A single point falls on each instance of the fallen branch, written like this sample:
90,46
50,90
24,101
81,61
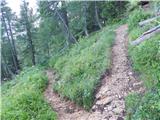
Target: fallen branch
142,23
146,35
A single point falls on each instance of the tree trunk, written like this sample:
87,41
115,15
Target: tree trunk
64,19
10,44
13,43
96,16
146,35
65,22
29,35
142,23
85,17
7,73
31,45
48,47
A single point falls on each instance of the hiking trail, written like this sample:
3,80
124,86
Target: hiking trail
110,102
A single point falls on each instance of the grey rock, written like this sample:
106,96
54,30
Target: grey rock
118,110
120,118
104,101
110,108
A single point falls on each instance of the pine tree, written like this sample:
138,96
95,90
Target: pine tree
26,24
10,60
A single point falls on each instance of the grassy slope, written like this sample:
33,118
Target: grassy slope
146,61
22,97
80,68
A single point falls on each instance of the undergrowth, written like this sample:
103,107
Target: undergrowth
80,68
146,62
135,17
22,97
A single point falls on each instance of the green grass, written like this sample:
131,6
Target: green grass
80,68
146,61
22,97
135,17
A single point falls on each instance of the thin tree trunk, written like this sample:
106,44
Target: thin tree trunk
85,17
48,47
142,23
146,35
8,73
31,45
9,41
71,39
13,43
48,50
97,17
29,35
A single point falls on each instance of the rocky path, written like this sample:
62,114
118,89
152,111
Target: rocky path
110,103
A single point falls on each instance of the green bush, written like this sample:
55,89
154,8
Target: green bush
146,57
135,17
22,97
144,108
80,68
146,61
135,33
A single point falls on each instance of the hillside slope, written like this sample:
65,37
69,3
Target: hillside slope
22,98
80,68
145,59
109,102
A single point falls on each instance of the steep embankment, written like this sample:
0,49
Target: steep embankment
22,97
110,103
80,67
146,62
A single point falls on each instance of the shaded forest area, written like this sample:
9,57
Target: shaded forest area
32,38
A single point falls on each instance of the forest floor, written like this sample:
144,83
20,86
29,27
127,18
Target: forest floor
110,98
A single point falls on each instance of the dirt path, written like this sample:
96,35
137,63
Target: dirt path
110,103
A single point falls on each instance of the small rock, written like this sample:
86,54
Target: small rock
105,101
110,108
114,106
120,118
109,93
120,97
137,84
108,116
118,110
125,94
98,96
69,110
112,118
130,73
94,108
